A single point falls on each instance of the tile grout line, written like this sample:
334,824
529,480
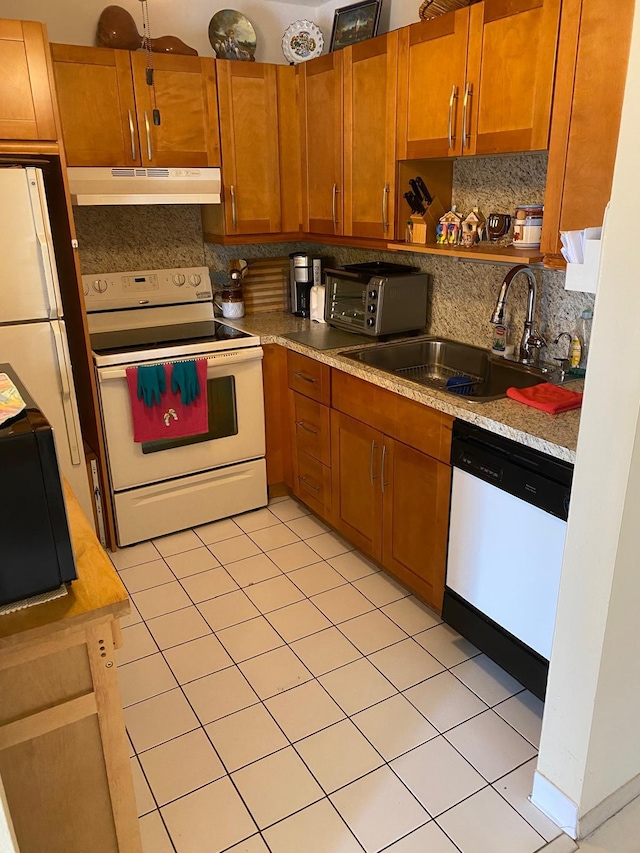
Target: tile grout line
313,677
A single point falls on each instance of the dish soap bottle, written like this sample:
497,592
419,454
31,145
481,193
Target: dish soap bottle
584,332
500,343
575,353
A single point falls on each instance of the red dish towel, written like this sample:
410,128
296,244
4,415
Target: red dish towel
550,398
171,419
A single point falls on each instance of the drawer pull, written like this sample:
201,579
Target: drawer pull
383,459
311,486
303,426
305,378
372,476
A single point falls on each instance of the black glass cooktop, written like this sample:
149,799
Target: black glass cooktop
156,337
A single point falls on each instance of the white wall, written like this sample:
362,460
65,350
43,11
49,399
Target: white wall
395,14
75,21
8,843
591,738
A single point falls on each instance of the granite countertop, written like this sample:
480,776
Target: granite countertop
556,435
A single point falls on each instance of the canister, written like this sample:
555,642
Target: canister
527,226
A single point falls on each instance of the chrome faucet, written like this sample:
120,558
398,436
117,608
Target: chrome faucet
531,341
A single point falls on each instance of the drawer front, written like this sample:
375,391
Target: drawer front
309,377
408,421
311,428
313,483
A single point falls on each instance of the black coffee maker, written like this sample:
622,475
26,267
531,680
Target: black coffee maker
305,272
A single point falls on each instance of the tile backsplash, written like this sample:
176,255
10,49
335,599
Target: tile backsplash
462,295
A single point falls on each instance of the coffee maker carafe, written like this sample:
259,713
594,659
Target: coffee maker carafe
305,272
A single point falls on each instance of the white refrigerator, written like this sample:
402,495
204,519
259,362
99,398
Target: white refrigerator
33,337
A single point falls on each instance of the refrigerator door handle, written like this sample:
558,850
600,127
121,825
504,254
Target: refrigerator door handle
68,395
45,240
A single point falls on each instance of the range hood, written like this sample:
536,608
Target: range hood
132,185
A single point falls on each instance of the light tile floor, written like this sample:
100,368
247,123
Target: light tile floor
282,695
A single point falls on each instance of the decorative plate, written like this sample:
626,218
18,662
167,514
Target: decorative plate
302,41
232,35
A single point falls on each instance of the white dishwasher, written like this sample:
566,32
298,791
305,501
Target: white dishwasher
509,506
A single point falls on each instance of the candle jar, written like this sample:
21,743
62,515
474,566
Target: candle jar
232,303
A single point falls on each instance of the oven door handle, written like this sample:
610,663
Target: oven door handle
221,359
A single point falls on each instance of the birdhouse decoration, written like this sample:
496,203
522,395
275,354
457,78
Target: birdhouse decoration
473,228
449,227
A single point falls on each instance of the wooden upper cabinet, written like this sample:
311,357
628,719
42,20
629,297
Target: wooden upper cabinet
250,152
289,141
510,73
26,101
370,93
432,64
106,108
322,130
97,106
185,88
592,68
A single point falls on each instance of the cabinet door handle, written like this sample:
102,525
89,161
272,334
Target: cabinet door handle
385,208
234,209
303,426
383,458
452,100
148,129
133,136
334,205
466,122
372,476
311,486
305,378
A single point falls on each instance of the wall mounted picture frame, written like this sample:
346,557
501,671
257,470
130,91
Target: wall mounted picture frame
355,23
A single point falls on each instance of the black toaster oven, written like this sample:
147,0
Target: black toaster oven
376,298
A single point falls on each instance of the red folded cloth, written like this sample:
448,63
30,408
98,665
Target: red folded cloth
170,419
550,398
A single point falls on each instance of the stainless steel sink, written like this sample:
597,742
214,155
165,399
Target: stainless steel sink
433,361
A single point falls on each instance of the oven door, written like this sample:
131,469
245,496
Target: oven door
236,423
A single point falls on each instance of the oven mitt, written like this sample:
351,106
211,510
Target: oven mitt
184,378
152,383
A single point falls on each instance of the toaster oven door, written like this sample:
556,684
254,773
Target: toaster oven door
346,304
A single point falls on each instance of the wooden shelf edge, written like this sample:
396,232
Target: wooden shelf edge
497,254
297,237
243,239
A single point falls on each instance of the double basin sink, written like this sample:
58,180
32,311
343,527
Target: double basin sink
475,373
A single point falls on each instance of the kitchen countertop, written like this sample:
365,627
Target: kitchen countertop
556,435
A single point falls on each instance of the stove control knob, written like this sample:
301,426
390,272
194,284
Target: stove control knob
371,321
371,308
194,280
179,279
100,285
373,294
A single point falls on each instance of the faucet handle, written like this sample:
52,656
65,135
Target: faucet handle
535,340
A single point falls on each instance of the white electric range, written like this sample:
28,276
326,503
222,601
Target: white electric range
159,487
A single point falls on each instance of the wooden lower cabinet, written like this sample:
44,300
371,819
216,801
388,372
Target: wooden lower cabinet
276,415
386,494
415,518
392,502
390,493
64,752
356,455
312,483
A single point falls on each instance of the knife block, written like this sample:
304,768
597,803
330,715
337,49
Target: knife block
423,226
